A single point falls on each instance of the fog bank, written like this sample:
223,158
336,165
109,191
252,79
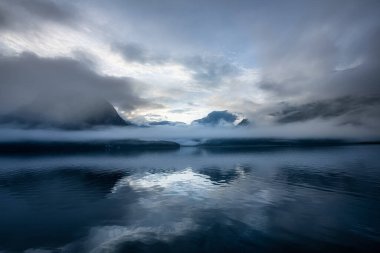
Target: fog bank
193,135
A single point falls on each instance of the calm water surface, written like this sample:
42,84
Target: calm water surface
193,200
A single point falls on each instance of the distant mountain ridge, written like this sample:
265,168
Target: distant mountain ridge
220,118
245,122
136,146
65,112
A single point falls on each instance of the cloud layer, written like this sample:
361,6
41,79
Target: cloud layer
59,89
275,63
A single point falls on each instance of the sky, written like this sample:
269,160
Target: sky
275,62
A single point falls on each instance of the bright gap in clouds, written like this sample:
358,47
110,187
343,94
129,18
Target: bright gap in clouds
183,61
171,83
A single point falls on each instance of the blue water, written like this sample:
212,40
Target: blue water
324,199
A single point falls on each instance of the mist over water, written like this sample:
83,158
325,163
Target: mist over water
189,126
193,200
190,135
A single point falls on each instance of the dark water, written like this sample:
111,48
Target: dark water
193,200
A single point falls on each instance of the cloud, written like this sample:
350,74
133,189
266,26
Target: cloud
39,85
24,14
134,52
245,56
197,134
180,110
210,70
332,53
347,109
205,69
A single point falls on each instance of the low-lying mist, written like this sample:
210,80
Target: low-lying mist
193,135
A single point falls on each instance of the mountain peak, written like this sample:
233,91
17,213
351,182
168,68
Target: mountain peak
66,112
217,118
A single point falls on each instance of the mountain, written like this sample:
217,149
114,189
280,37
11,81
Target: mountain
217,118
66,112
82,146
244,123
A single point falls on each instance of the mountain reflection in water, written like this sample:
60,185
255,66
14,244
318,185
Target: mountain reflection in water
193,200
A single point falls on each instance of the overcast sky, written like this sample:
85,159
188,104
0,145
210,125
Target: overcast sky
276,62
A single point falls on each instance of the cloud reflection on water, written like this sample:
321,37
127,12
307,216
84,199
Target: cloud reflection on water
195,200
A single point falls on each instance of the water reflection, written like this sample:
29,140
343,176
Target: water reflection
193,200
48,208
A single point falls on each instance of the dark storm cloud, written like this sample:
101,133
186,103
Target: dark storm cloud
30,80
23,14
348,109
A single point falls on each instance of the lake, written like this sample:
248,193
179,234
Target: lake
322,199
